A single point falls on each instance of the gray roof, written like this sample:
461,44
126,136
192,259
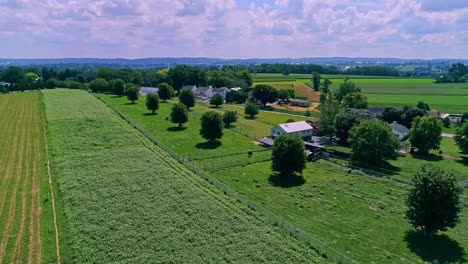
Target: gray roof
376,111
187,87
267,141
295,126
203,89
399,128
149,90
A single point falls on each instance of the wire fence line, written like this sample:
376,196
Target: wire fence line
322,248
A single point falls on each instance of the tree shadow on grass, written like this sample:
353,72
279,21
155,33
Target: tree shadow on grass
283,181
176,129
130,103
209,145
150,114
250,117
426,156
463,161
115,96
439,249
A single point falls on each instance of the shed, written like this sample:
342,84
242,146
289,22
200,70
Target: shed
301,129
400,131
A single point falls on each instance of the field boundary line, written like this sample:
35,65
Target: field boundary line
322,248
49,174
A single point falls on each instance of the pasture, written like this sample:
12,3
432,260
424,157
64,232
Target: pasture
387,91
359,215
127,200
26,222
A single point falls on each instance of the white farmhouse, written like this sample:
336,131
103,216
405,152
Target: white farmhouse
400,131
301,129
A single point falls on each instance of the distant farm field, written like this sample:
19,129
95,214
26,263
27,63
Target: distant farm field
387,91
26,222
126,200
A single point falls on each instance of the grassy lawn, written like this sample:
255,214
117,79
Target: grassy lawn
128,201
360,215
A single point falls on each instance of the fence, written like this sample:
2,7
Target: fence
320,247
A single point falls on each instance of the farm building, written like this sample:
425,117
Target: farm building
454,118
301,128
298,102
235,89
149,90
206,92
400,131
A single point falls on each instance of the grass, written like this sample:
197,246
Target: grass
356,214
127,200
26,221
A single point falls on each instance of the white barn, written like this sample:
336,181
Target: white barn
301,129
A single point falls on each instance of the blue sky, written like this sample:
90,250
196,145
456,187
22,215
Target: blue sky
234,28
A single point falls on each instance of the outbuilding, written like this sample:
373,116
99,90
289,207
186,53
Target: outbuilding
400,131
301,129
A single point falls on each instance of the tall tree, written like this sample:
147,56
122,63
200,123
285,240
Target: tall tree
99,85
409,114
461,138
152,102
179,114
118,87
346,119
349,95
165,92
423,106
251,110
426,133
391,114
216,100
434,201
316,81
229,117
324,89
265,93
329,108
373,142
211,126
133,92
288,155
187,98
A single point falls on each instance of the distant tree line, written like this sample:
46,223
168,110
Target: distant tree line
458,73
313,68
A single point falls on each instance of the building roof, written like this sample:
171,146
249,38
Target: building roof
295,126
220,90
187,87
267,141
450,115
299,101
149,90
376,111
399,128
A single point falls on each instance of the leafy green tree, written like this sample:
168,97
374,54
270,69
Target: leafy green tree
434,201
461,138
99,85
118,87
391,114
238,97
283,95
179,114
166,91
75,85
152,102
349,95
373,142
409,114
218,78
325,86
133,92
187,98
13,74
426,133
211,126
346,119
107,73
292,93
52,83
464,118
265,93
216,100
251,110
316,81
288,155
423,106
329,108
229,117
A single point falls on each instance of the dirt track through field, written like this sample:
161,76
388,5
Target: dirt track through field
308,91
21,171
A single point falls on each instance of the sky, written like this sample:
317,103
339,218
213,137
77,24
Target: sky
421,29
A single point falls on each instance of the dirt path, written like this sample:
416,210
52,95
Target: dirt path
308,91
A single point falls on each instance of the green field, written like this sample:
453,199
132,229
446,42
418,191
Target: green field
361,216
26,217
390,91
127,201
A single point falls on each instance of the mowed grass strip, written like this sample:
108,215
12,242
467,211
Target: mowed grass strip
359,215
25,212
126,200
